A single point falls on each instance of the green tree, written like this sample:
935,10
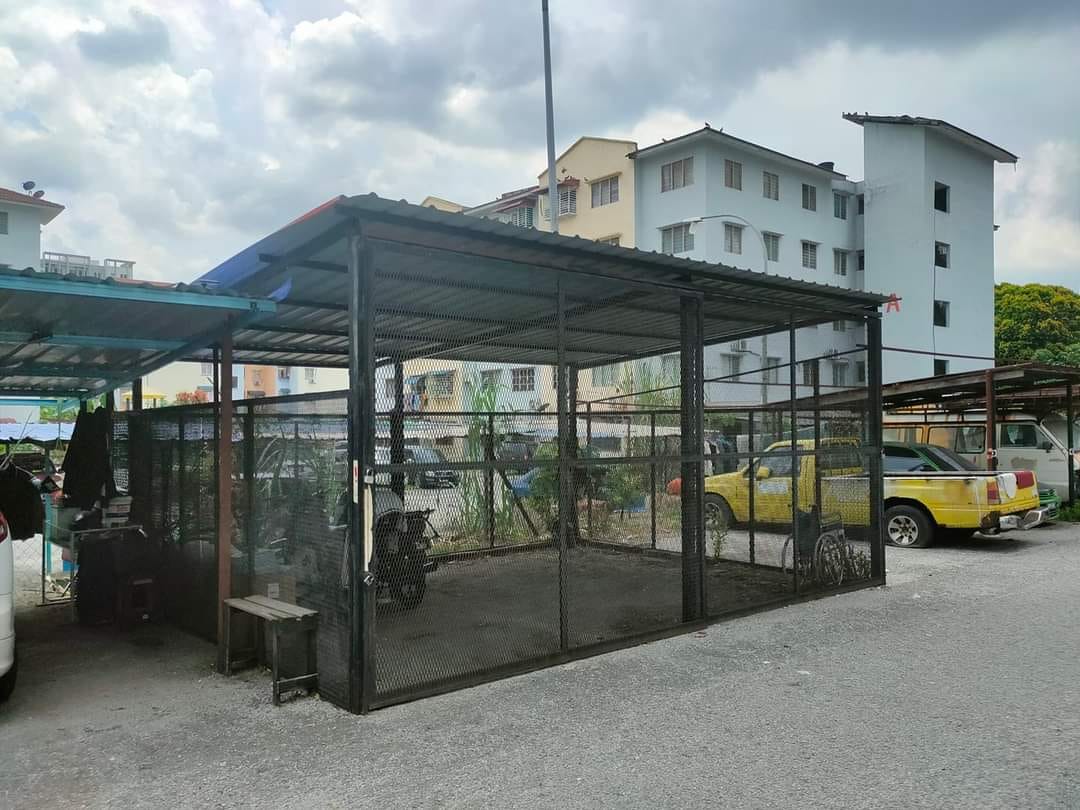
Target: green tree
1036,322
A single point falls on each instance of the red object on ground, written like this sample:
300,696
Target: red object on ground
674,486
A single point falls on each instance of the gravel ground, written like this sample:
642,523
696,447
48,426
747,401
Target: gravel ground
956,686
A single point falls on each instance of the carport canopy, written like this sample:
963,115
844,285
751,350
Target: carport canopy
68,337
465,288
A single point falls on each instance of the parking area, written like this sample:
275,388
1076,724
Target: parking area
960,674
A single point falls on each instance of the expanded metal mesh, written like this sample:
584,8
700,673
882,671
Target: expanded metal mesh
520,516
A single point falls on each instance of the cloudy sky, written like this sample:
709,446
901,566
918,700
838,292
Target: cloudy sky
178,132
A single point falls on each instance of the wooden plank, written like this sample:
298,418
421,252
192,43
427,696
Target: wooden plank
285,607
255,610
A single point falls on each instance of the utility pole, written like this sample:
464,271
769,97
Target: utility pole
553,182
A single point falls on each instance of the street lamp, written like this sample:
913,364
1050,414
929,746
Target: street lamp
765,271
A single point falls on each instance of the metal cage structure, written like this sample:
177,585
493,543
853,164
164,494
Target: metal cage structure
551,524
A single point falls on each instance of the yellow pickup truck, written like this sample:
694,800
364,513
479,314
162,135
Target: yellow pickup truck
918,505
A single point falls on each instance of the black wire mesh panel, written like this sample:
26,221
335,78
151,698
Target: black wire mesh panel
293,539
120,450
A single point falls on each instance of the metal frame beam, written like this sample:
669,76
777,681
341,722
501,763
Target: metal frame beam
123,292
91,341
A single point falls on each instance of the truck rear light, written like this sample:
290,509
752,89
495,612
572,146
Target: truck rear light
992,494
1025,479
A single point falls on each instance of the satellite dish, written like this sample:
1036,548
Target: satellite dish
28,185
39,194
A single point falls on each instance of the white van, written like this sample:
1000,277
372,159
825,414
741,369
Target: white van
1023,442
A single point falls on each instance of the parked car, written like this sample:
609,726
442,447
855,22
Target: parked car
520,453
908,457
429,478
1023,443
918,503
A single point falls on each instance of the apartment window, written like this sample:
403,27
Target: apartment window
605,192
235,380
808,372
839,326
442,385
3,222
567,201
772,246
860,371
839,374
389,391
732,365
941,197
941,254
523,379
609,240
809,197
732,238
839,205
839,262
862,260
522,216
256,377
677,174
941,313
733,174
490,378
604,375
941,368
283,373
206,369
771,373
809,255
676,239
309,375
860,204
770,186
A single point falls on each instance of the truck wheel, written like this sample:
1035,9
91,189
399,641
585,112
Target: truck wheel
907,527
718,515
7,682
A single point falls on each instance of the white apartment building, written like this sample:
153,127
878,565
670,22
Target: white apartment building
919,227
74,264
21,219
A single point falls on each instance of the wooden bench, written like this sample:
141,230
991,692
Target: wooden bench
277,615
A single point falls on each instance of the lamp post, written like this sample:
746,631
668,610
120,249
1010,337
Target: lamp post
765,271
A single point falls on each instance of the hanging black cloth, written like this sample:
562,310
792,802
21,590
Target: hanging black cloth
20,502
87,466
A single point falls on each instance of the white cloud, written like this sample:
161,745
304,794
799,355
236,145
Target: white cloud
262,110
1039,214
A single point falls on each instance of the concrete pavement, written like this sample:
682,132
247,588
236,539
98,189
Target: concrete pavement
956,686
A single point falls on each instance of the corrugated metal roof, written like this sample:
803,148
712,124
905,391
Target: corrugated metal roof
76,336
949,130
458,287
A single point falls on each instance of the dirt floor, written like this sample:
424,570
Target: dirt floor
492,611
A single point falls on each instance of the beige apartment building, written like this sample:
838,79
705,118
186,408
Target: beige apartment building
596,201
596,191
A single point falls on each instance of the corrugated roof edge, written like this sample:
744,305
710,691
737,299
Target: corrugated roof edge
373,205
195,287
1001,155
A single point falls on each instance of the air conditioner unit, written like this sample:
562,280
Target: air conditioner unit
740,346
